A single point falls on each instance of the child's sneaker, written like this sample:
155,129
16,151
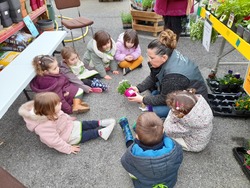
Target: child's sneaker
106,122
126,71
104,133
97,83
96,90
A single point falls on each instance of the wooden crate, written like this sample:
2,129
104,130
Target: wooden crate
148,17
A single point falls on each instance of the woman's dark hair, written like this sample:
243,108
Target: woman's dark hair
102,38
165,44
130,35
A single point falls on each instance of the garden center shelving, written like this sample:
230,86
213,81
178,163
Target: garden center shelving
7,32
228,35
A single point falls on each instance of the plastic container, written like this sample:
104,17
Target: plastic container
223,105
45,25
5,14
27,6
16,15
33,5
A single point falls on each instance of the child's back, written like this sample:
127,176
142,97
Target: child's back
152,164
190,123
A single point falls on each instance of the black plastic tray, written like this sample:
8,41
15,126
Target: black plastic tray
239,156
215,88
223,105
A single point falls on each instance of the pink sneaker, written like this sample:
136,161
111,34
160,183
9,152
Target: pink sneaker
96,90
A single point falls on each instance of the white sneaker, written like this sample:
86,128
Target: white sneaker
105,132
106,122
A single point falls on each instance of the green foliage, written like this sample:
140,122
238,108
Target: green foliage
231,78
196,31
126,18
123,85
240,9
247,159
243,103
147,4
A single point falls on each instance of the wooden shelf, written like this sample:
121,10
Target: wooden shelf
236,41
9,31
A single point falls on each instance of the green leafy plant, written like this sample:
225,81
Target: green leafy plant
126,18
231,78
122,86
247,159
196,31
147,4
243,103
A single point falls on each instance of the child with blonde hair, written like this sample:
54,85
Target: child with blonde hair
48,78
189,121
100,54
153,160
128,51
73,68
57,129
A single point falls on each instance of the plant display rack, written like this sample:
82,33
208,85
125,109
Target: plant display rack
9,31
228,35
146,16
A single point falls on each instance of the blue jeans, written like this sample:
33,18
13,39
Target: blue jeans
162,110
89,130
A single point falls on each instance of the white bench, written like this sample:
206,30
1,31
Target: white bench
16,76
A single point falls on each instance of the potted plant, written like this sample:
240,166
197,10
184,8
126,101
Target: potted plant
242,155
196,31
147,5
243,103
230,82
124,88
126,20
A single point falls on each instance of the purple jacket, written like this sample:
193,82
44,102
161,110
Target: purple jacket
58,84
171,7
122,51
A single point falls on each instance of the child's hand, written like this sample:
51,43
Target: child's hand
115,72
107,77
75,149
129,58
73,118
66,94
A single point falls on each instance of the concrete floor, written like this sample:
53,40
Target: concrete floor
98,163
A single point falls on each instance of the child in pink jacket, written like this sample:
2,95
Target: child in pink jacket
57,129
128,51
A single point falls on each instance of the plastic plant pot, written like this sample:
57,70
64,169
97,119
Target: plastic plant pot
130,92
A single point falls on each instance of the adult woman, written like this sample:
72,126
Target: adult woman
170,71
174,13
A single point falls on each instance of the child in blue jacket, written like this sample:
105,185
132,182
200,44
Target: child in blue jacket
153,159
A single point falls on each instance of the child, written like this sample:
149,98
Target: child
77,74
49,79
100,54
153,159
189,121
57,129
128,51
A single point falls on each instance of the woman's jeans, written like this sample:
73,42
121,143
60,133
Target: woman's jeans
161,111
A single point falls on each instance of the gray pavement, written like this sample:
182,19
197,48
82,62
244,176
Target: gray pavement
98,163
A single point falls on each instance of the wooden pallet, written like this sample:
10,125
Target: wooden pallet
147,21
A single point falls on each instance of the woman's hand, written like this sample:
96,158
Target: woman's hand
107,77
135,89
75,149
138,98
115,72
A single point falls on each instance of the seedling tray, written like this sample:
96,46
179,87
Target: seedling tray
223,105
239,156
215,87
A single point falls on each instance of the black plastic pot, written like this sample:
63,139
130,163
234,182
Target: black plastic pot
246,35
